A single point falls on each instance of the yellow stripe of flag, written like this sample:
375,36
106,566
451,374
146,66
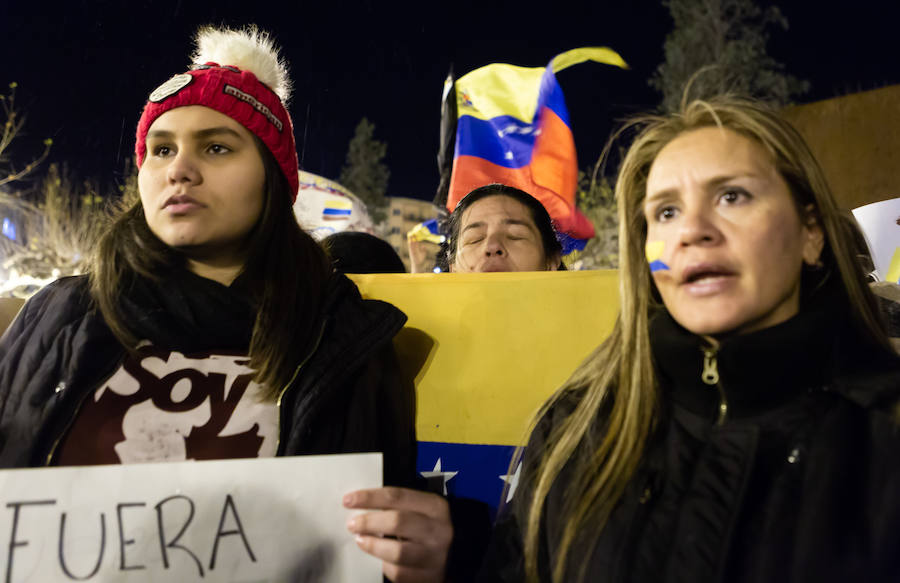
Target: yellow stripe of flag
500,89
493,346
339,204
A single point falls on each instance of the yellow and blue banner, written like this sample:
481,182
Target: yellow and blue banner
426,231
483,367
513,127
337,208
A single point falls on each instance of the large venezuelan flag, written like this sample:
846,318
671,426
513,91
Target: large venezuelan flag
513,128
485,350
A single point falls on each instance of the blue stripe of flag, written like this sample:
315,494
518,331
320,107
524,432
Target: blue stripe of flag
481,138
658,266
569,243
478,468
551,95
336,212
432,226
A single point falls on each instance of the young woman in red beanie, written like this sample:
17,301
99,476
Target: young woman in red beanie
210,326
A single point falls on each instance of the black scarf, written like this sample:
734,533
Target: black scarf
189,313
764,369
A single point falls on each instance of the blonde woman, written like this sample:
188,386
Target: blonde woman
740,422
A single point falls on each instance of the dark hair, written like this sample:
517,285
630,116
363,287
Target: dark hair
539,215
286,272
357,252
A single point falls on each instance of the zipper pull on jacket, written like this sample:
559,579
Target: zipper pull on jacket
710,376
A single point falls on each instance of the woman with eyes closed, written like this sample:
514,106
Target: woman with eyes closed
501,228
740,423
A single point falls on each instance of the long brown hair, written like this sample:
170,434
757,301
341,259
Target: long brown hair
286,270
617,383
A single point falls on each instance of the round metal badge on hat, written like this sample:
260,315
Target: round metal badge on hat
170,87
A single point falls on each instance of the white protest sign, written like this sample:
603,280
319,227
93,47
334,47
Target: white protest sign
879,222
253,520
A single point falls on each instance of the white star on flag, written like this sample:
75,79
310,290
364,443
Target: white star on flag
513,481
436,472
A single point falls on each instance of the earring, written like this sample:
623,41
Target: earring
816,265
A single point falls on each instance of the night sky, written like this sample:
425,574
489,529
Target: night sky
84,69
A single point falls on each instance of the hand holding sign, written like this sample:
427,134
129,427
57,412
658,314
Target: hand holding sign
419,527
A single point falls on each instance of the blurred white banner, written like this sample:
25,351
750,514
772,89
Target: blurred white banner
879,222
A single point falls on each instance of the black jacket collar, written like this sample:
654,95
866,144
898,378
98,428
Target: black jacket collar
817,349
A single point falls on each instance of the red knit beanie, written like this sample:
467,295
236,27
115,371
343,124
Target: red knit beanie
237,93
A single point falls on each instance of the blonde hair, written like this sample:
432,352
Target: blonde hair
605,435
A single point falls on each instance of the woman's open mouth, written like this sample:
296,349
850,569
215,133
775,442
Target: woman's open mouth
706,279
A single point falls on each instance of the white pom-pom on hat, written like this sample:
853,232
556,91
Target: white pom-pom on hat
248,49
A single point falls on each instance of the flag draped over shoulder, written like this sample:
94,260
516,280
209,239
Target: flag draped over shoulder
513,128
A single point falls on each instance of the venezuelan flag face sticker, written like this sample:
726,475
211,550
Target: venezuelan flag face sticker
654,251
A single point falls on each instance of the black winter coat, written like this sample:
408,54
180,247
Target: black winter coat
800,482
347,397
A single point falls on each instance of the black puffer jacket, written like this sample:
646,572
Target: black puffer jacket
800,482
347,397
